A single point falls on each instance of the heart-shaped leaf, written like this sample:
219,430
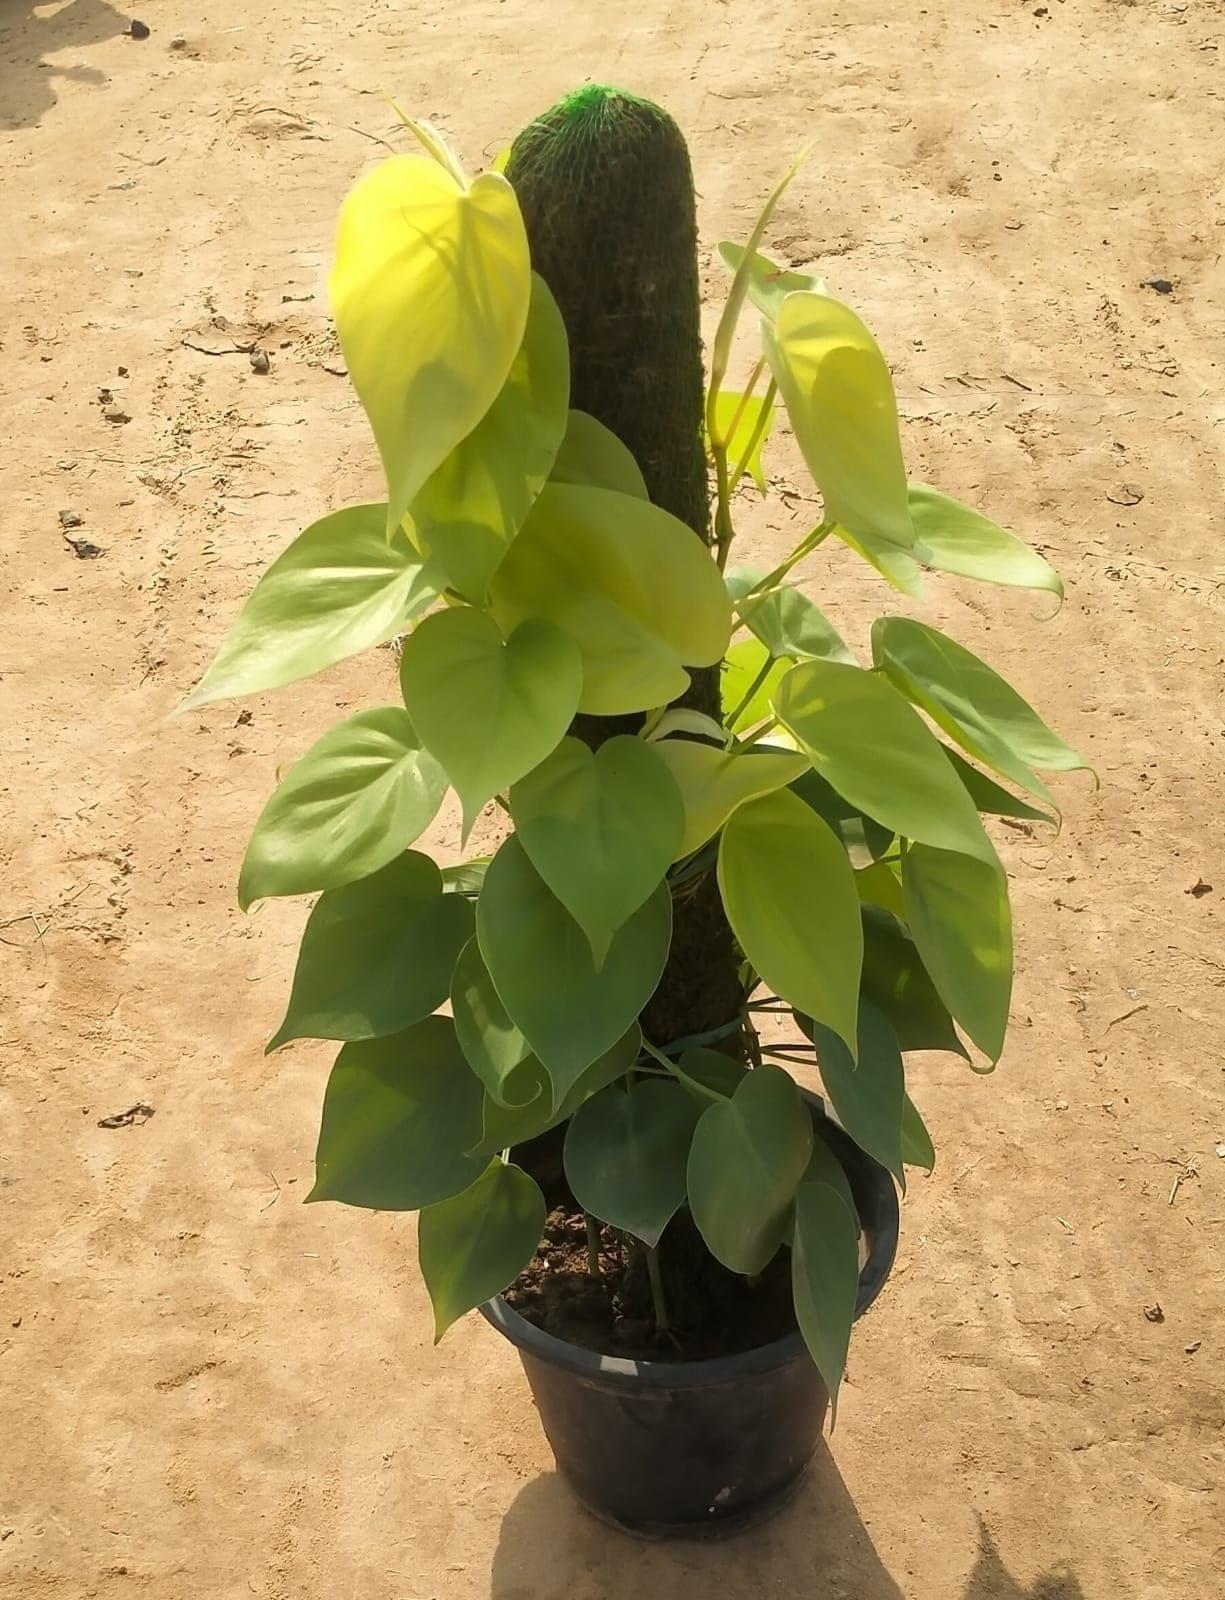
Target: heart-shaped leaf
626,1154
592,455
987,795
505,1126
474,504
900,775
917,1147
430,291
868,1096
342,586
746,1159
954,538
957,909
896,565
376,955
708,1075
897,983
358,797
493,1047
789,893
750,677
544,972
633,586
839,396
825,1278
471,1246
713,783
786,621
601,829
490,709
971,702
399,1118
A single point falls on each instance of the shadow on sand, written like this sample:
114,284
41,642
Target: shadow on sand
29,34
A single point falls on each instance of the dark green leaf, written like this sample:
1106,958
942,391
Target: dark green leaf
707,1073
896,981
376,955
471,1246
626,1154
493,1046
542,966
399,1118
747,1157
917,1147
867,1096
825,1279
505,1126
987,795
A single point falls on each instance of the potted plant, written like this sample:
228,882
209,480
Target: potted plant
565,1056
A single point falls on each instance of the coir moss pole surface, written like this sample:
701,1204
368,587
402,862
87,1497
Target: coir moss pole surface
606,190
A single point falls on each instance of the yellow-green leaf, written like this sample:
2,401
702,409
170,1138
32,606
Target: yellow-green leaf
787,622
474,504
714,782
768,282
789,893
896,566
592,455
738,418
825,1278
430,291
747,663
839,397
358,797
490,709
635,589
955,538
341,587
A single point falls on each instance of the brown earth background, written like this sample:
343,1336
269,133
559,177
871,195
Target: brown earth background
207,1390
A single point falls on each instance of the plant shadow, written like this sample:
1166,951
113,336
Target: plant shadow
29,34
817,1546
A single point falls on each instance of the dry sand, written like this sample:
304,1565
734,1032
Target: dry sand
207,1390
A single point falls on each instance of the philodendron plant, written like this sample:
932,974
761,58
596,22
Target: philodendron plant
541,594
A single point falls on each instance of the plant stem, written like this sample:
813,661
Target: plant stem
593,1244
752,689
657,1290
758,430
724,531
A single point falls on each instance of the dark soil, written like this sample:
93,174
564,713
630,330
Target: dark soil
712,1312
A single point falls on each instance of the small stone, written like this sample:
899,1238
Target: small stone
1061,1105
17,1322
1154,1313
1190,1349
7,1533
116,414
1127,494
105,397
1198,889
138,29
243,719
1161,285
70,519
178,42
259,359
1220,1150
122,371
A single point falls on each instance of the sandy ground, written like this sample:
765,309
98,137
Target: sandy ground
207,1389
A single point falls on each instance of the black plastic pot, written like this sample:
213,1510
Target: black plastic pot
662,1448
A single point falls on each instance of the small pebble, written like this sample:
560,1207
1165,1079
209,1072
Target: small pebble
138,29
1191,1348
178,43
259,359
70,519
7,1533
1061,1105
115,414
1161,285
1154,1313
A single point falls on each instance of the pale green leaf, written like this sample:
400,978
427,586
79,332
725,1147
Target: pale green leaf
880,885
473,1245
399,1118
839,398
430,291
341,587
747,1156
896,981
465,877
591,455
626,1153
544,972
601,829
744,666
768,282
917,1147
713,783
875,750
506,1126
897,566
789,893
493,1047
971,702
866,1095
356,799
490,709
738,420
376,955
474,504
957,909
786,621
825,1279
634,587
955,538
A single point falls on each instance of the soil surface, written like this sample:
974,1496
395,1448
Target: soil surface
710,1311
207,1389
